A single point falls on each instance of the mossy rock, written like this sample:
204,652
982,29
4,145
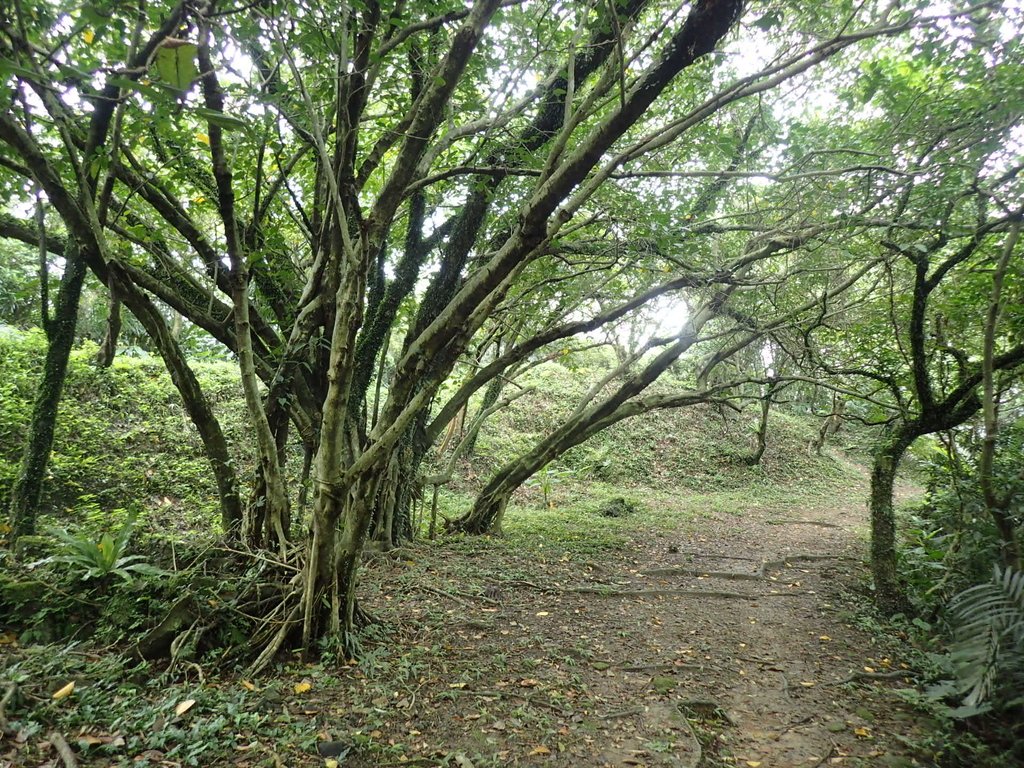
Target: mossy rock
618,507
28,592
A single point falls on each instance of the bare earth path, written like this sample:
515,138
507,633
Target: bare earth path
731,642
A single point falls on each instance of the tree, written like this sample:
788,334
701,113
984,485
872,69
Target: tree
915,349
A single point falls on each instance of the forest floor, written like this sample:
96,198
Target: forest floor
739,639
733,637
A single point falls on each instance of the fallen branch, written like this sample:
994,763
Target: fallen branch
63,749
9,691
854,676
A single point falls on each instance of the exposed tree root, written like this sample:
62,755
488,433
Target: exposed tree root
532,700
63,749
855,676
605,592
706,709
711,555
760,573
273,647
732,575
665,667
458,597
677,593
622,713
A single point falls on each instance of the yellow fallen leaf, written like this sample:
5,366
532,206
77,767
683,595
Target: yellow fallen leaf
304,686
88,35
824,638
542,613
330,762
541,750
64,692
807,683
457,685
184,706
862,732
248,686
754,763
869,670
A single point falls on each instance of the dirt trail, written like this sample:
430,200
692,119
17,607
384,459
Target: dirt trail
730,643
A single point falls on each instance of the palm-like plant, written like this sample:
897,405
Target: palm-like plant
988,649
103,557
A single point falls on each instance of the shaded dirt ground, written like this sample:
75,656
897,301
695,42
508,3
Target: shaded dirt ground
732,642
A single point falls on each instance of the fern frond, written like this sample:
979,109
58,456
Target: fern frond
989,635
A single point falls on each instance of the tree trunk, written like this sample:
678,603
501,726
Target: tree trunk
762,427
273,513
889,593
60,332
108,349
329,606
489,506
831,424
491,395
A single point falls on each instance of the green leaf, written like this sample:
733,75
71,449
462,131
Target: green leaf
227,122
176,65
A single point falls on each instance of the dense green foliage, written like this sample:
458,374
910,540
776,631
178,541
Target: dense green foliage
123,444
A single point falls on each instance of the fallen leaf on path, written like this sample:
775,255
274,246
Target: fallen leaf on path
540,750
864,733
64,692
808,683
302,687
184,706
754,763
248,686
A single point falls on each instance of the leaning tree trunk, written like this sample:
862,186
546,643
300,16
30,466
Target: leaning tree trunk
60,333
489,506
889,593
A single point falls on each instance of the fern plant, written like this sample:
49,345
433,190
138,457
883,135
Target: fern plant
101,558
988,649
